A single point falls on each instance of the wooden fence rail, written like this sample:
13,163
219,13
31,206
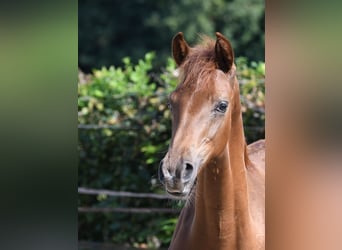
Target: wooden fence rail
83,190
126,210
89,191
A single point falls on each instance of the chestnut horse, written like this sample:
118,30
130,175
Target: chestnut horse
208,162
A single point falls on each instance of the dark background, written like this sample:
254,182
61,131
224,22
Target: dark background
110,30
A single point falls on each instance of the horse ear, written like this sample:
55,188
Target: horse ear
180,49
224,53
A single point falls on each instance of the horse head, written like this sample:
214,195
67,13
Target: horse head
202,107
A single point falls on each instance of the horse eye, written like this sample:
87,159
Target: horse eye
222,106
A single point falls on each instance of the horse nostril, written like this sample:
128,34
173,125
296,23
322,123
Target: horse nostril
188,171
160,172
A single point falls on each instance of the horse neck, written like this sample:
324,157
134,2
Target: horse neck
221,201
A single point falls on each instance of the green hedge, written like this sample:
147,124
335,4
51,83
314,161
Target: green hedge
124,130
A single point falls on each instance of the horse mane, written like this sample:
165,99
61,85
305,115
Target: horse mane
199,64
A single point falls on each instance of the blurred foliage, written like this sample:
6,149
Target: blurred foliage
130,103
110,30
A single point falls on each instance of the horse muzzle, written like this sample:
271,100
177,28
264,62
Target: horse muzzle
177,180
